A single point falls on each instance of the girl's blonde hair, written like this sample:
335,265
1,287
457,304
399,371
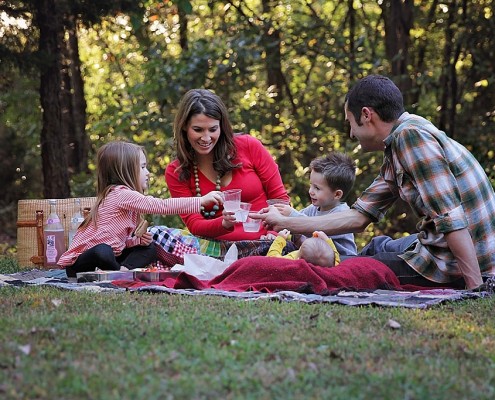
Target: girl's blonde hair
117,163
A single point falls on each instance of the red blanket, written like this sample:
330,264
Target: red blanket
268,274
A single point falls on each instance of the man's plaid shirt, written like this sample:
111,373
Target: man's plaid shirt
444,185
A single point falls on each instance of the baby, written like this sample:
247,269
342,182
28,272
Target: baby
317,250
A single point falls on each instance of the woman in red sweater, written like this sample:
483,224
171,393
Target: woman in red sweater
211,157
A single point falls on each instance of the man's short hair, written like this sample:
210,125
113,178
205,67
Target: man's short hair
379,93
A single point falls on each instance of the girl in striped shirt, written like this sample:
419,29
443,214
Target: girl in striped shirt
106,239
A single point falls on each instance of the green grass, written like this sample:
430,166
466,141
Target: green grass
57,344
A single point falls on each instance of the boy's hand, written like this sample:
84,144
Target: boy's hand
284,233
214,197
283,209
320,234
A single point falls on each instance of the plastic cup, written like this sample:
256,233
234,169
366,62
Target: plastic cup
242,213
232,200
251,225
272,202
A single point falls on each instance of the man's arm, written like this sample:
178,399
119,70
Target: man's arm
462,247
350,221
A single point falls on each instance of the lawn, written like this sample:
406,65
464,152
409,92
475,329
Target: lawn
59,344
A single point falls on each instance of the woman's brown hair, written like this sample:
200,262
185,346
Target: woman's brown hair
202,101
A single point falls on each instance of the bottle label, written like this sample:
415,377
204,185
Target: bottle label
52,221
51,249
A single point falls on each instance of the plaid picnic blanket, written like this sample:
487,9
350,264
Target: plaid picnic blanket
419,299
265,286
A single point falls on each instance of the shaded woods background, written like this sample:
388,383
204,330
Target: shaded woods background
76,74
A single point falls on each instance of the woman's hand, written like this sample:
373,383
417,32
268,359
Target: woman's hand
228,219
214,197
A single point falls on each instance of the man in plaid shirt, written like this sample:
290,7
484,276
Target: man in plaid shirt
441,181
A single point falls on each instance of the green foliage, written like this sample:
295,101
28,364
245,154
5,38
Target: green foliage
20,162
137,63
8,264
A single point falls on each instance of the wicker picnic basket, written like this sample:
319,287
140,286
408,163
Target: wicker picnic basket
31,215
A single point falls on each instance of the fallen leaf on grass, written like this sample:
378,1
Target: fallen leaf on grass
49,331
393,324
25,349
56,302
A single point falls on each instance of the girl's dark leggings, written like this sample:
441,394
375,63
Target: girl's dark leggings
101,256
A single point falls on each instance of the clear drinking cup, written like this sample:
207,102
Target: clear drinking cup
272,202
242,213
232,200
251,225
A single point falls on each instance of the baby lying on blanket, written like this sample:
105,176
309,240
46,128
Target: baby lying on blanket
317,250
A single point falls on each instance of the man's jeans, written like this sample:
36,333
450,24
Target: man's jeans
387,250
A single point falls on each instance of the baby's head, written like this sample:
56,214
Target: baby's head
317,251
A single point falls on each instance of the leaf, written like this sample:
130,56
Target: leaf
393,324
56,302
25,349
185,5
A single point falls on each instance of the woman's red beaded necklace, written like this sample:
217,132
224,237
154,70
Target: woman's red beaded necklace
215,208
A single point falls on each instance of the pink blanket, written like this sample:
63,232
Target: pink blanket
268,274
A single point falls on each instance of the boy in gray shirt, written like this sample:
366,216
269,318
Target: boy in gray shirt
332,178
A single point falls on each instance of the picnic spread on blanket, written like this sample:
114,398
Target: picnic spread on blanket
357,281
236,270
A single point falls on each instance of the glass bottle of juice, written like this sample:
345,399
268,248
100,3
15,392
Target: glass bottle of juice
54,238
76,220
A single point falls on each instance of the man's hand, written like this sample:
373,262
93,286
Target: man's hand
462,247
272,219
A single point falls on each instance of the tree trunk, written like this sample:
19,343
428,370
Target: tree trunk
352,34
454,85
398,20
273,62
419,65
183,40
53,145
77,140
446,77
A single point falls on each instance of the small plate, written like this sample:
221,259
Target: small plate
154,276
100,275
